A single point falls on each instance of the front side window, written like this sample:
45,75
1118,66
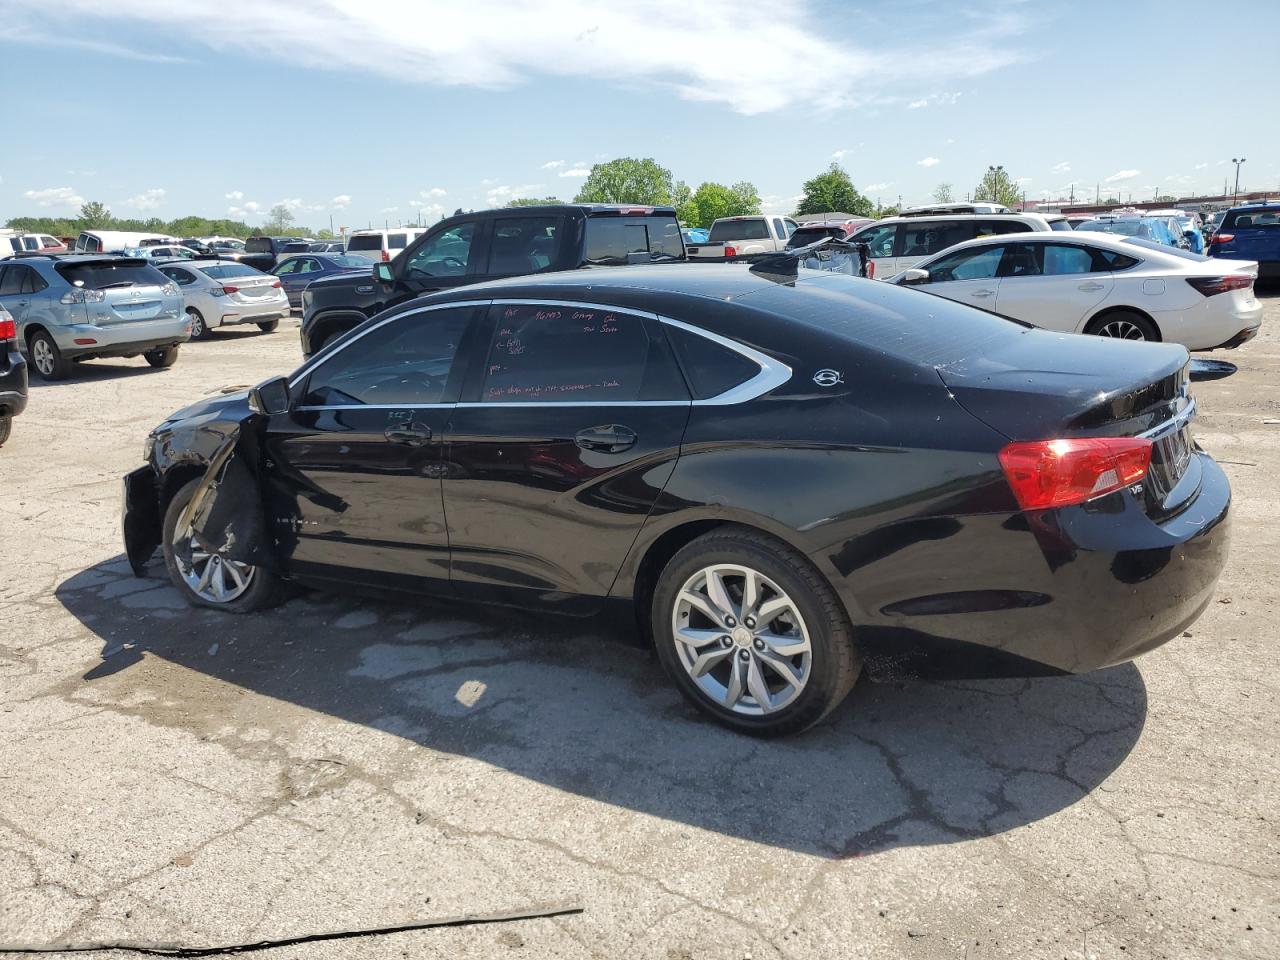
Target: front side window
522,245
879,239
403,362
1060,260
547,352
446,254
981,263
287,268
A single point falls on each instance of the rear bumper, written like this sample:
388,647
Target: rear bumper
13,384
121,340
237,313
1064,591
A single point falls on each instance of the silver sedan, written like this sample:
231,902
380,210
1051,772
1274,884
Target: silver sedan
223,293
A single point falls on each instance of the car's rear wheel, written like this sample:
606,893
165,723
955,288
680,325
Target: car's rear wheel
46,359
162,356
1124,325
269,326
208,580
199,329
753,635
6,427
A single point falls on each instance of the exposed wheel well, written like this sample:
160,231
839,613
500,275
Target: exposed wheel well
31,331
177,478
1101,315
325,327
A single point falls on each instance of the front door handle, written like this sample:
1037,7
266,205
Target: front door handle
981,294
607,438
412,434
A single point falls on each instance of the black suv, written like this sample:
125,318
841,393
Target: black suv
13,375
263,253
488,245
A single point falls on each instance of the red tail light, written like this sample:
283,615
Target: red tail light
871,269
1211,285
730,251
230,289
1222,238
8,329
386,257
277,285
1059,473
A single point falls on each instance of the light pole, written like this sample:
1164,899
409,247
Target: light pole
1236,192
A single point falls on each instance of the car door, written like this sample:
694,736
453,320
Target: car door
570,428
354,490
1053,285
967,276
287,274
880,239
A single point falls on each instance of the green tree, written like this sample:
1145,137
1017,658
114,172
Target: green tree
533,201
833,192
942,193
95,215
279,219
682,200
711,201
627,180
998,187
747,197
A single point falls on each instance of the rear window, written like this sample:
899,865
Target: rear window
221,271
752,229
610,240
1165,248
1059,224
807,235
1126,228
344,261
1262,217
257,245
366,241
106,274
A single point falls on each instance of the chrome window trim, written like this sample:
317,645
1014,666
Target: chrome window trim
1174,423
773,373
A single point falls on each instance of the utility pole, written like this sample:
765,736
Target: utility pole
1236,192
1097,198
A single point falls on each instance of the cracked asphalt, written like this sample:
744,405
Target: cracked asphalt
183,776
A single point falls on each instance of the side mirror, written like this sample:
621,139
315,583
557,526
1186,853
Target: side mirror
914,276
382,272
270,396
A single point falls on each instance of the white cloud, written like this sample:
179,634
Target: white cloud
928,162
388,209
841,154
147,200
553,164
1121,175
1201,166
917,104
934,99
1022,181
434,192
498,196
250,208
668,44
875,187
1062,167
576,172
429,211
235,196
340,202
55,197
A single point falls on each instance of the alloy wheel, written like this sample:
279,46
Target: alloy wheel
197,324
741,639
42,356
213,578
1121,330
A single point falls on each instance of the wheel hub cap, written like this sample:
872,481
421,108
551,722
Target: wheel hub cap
213,578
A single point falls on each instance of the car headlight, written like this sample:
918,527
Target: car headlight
148,447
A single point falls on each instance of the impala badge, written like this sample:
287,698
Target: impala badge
828,377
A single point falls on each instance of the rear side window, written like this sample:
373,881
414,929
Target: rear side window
365,241
89,243
104,275
222,271
926,239
610,240
709,367
1262,217
1060,259
397,241
545,352
11,281
522,245
178,275
257,245
754,228
1110,260
1059,225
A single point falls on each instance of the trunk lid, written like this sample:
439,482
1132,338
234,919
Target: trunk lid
130,303
252,289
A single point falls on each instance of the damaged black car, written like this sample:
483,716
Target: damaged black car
782,474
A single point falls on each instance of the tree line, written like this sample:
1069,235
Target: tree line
95,216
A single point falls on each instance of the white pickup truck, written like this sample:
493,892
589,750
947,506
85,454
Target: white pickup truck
743,236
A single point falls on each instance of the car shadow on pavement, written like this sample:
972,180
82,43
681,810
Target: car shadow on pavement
99,370
563,703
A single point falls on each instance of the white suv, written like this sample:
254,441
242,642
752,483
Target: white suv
382,245
899,243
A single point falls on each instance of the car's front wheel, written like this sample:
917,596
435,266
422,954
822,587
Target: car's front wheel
752,634
162,357
206,579
269,326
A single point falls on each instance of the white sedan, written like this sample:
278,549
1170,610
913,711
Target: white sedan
1101,284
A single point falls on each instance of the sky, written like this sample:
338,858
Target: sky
354,112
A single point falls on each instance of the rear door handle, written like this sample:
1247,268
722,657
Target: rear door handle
1091,286
607,438
412,434
983,293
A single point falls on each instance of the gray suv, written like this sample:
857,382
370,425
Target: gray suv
74,307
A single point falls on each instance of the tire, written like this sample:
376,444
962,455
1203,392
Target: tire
269,327
199,329
806,612
46,359
262,589
162,357
1124,325
6,427
328,339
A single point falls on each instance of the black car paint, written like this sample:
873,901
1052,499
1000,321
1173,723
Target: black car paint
13,379
888,481
276,248
335,305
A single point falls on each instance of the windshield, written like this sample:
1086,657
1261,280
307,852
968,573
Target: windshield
222,271
754,228
105,274
365,241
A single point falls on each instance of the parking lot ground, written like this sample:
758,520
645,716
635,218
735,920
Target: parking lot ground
183,776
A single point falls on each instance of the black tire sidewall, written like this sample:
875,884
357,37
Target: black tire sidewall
823,689
1149,331
265,591
162,357
270,326
6,428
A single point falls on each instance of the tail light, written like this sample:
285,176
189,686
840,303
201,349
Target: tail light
1222,238
871,269
1211,285
386,257
230,289
730,251
277,285
8,329
1058,473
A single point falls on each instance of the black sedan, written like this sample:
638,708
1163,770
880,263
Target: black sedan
298,270
781,476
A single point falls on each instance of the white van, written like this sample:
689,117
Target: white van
899,243
382,244
104,241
